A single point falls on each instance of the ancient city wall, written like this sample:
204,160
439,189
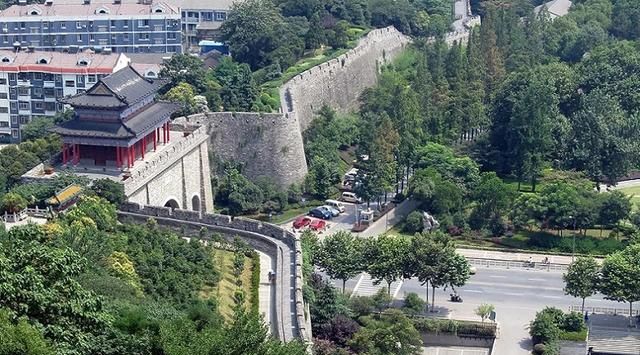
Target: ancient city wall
262,236
265,144
339,82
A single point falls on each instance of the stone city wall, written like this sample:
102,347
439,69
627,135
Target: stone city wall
339,82
265,144
260,235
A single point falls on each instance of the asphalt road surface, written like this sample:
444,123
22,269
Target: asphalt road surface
516,294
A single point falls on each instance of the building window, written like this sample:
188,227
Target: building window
125,23
14,133
49,92
23,105
63,25
114,39
22,25
80,80
37,76
92,37
12,77
38,105
70,83
79,38
5,39
24,119
34,30
171,35
143,23
79,24
45,25
3,95
143,36
91,78
4,124
49,106
37,91
13,94
221,16
14,120
58,93
3,81
125,37
22,91
4,110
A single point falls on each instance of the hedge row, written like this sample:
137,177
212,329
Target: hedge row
455,327
255,282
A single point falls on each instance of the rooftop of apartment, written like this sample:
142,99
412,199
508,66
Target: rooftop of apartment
183,4
87,8
58,62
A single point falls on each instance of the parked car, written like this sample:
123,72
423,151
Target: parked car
335,204
318,225
472,270
320,213
334,211
301,222
350,197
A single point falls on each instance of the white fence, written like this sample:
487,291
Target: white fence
505,264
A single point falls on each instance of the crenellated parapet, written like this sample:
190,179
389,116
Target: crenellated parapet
280,244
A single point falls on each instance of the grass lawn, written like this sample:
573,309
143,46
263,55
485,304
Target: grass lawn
634,193
227,286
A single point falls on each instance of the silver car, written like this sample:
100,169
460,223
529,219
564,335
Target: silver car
334,211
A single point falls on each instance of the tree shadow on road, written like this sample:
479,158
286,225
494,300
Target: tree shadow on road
525,343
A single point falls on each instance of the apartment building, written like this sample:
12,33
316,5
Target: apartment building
31,83
126,27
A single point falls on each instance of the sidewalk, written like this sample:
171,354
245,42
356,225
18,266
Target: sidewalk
390,219
509,256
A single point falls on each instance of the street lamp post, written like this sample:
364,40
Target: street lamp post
573,253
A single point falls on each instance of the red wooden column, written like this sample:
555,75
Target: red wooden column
144,146
117,157
77,153
155,140
168,133
64,153
164,135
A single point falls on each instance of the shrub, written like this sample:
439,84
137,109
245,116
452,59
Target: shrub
361,305
413,304
574,336
543,329
544,240
539,349
399,197
414,223
573,322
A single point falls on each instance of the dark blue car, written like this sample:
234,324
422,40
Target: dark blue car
320,213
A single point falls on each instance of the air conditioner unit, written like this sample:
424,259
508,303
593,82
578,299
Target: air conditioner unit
48,2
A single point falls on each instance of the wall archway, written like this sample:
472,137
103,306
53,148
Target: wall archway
195,203
173,204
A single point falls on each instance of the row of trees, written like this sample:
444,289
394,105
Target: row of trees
429,257
617,277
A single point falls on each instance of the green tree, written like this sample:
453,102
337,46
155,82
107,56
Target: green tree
620,275
340,256
239,90
484,311
616,206
386,257
109,190
581,279
413,304
183,94
391,332
21,337
185,68
13,203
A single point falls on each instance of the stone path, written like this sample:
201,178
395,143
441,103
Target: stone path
267,292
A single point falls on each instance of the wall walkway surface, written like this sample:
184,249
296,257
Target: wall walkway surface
281,245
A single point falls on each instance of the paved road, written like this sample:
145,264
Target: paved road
516,294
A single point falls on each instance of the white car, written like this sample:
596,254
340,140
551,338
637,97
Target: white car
472,270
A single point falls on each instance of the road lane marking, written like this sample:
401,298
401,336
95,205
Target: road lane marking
543,280
479,283
355,288
498,276
513,294
472,291
395,294
554,297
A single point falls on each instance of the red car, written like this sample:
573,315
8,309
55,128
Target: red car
301,222
318,225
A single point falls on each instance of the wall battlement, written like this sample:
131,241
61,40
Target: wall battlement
339,82
258,234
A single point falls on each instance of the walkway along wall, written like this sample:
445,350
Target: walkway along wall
280,244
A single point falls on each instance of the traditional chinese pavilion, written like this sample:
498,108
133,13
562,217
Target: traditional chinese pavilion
116,121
